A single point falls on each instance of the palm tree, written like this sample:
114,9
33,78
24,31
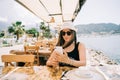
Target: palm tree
45,30
17,28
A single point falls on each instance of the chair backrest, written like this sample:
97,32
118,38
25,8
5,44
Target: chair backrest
31,49
52,45
8,59
38,43
41,43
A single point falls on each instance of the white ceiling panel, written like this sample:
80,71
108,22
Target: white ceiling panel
61,10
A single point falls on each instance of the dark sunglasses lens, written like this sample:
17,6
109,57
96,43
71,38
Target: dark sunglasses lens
68,33
63,33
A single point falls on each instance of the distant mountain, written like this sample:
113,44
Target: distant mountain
101,28
98,28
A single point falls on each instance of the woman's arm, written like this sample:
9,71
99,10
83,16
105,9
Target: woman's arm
82,57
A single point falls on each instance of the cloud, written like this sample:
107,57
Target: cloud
3,19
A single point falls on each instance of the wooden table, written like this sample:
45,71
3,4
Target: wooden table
47,73
42,52
33,73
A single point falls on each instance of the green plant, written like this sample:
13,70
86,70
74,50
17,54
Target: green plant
33,31
45,30
17,28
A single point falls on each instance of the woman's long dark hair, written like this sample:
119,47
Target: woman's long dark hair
61,41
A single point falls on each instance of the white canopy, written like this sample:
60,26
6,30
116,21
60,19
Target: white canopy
57,11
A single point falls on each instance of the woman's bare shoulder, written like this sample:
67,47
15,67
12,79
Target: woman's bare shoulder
81,45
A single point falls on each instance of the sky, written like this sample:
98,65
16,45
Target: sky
93,11
99,11
11,11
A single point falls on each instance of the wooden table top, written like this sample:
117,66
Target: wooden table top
33,73
49,73
42,52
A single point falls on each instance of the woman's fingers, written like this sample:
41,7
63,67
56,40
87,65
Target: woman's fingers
65,52
52,63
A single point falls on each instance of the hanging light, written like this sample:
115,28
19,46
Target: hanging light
52,20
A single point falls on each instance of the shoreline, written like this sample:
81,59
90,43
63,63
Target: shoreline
99,58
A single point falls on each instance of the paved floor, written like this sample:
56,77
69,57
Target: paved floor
5,50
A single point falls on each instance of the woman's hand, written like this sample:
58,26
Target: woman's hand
52,61
62,57
57,57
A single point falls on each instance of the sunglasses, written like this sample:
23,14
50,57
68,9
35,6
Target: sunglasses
68,33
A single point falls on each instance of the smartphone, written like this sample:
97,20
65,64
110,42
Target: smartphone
59,49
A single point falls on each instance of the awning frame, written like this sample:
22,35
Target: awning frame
47,16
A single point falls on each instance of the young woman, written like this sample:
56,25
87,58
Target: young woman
74,53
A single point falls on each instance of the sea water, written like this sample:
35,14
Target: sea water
109,44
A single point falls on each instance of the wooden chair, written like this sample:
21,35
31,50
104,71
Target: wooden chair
38,43
52,45
33,50
41,44
9,59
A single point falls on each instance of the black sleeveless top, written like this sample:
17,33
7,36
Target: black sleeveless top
74,54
